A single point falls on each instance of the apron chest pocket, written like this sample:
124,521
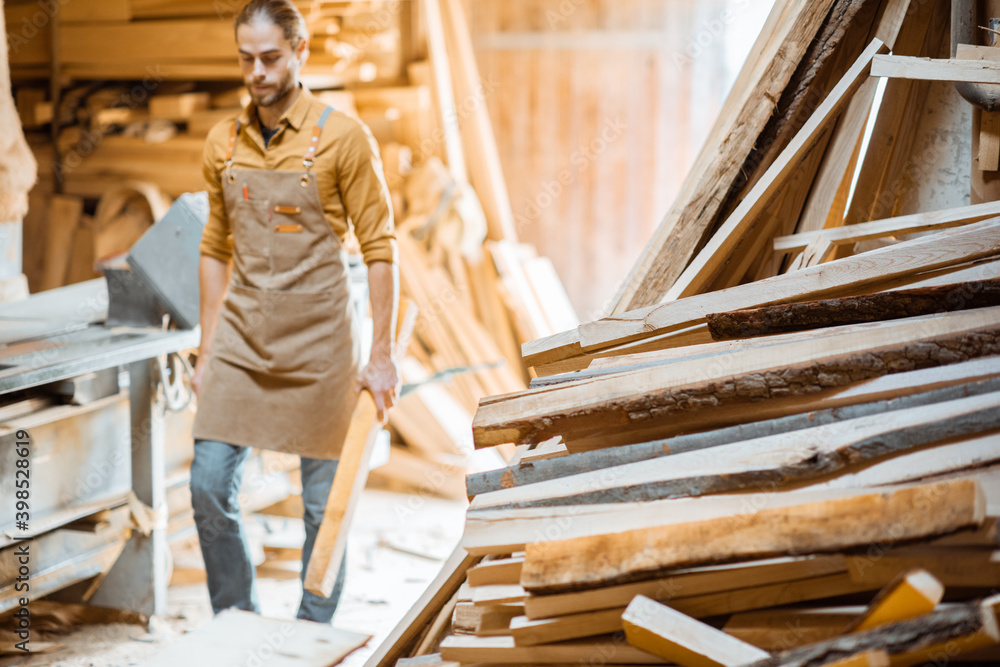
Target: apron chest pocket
251,233
303,330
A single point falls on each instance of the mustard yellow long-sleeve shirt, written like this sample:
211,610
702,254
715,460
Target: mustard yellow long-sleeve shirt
347,167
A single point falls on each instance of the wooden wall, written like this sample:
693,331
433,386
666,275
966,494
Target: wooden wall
599,109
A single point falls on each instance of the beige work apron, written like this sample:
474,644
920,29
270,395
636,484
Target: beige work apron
285,349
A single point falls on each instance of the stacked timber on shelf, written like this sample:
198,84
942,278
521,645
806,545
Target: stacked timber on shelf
130,124
783,448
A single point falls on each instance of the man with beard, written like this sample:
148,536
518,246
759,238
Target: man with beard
278,363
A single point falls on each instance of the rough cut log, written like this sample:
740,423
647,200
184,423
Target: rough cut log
662,631
880,306
866,517
764,463
540,471
636,406
961,628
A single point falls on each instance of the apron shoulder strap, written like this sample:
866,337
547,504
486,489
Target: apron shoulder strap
307,160
231,149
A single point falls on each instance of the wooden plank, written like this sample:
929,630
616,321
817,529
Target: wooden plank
497,571
586,624
191,39
880,306
768,462
851,273
64,216
485,621
348,481
491,531
83,11
492,595
936,69
502,650
662,631
444,94
688,584
179,108
989,141
438,592
953,567
812,527
527,632
483,158
905,224
710,261
782,628
234,636
913,594
635,404
538,471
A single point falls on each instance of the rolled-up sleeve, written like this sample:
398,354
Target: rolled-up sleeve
215,238
366,195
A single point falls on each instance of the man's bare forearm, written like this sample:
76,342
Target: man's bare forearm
213,280
383,287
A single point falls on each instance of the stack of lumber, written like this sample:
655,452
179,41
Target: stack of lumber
192,39
759,462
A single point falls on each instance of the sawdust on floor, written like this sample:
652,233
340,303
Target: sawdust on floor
396,546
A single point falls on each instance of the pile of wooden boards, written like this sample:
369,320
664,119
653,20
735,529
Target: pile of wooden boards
784,447
192,39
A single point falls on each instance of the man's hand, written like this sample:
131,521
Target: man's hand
199,373
381,378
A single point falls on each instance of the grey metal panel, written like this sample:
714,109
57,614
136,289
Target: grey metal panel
78,352
166,257
54,312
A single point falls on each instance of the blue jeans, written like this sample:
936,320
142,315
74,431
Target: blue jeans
216,476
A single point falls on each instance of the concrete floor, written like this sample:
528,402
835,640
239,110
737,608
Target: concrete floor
384,577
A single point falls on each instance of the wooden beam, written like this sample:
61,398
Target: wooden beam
711,259
936,69
771,462
540,471
688,584
502,650
497,571
501,531
631,406
585,624
961,628
913,594
483,158
954,567
905,224
662,631
838,278
880,306
864,518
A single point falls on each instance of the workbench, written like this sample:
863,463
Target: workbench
91,399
